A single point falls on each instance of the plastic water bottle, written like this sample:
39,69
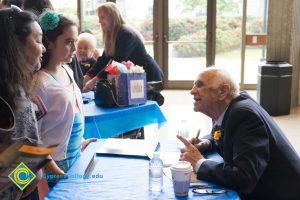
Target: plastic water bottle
155,173
183,129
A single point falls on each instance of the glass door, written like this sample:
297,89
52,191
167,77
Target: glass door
255,41
186,36
184,39
241,38
65,6
139,15
90,22
228,36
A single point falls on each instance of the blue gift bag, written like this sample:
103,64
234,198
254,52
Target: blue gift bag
131,89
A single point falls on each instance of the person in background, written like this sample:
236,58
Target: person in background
121,43
21,50
38,7
96,52
8,3
56,87
86,46
259,161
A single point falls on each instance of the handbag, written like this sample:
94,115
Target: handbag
105,94
153,92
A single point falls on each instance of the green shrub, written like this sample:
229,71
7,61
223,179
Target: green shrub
146,29
190,29
228,38
255,26
192,49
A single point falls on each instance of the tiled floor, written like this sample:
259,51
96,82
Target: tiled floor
179,106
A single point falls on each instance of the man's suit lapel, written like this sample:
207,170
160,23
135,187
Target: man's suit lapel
219,142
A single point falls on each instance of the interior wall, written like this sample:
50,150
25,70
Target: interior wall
283,42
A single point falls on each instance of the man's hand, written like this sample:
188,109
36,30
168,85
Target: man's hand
201,144
85,143
190,153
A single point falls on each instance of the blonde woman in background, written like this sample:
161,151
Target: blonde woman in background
121,43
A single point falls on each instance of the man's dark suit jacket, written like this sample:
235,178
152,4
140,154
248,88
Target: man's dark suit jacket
259,161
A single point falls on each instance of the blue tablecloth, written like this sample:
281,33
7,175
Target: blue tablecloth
109,122
115,177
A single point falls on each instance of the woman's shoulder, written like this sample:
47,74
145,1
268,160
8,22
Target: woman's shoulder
40,78
44,84
127,30
128,33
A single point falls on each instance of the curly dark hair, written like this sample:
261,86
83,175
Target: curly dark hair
15,70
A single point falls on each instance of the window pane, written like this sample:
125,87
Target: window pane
228,36
187,36
139,15
90,20
68,7
256,24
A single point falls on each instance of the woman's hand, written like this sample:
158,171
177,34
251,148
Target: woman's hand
89,85
86,78
85,143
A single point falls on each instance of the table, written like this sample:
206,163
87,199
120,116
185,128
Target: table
115,177
109,122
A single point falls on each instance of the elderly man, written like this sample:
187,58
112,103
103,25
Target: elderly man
259,162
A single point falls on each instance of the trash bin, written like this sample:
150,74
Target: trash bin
274,87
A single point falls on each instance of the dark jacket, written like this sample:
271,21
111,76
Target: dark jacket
129,46
86,65
259,161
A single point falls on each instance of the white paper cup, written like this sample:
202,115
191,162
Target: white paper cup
181,176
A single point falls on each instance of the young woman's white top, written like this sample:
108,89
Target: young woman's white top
56,126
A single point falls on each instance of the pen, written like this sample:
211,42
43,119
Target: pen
197,137
198,134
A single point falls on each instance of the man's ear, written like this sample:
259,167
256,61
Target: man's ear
223,91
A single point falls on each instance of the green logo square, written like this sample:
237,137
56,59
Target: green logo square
22,176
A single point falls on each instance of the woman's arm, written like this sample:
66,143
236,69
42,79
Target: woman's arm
98,68
89,85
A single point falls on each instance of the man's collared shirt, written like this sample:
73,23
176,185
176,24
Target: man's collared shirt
216,123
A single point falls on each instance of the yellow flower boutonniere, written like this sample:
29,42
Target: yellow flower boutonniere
217,134
87,65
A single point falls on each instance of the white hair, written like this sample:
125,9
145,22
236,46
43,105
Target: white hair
223,77
88,38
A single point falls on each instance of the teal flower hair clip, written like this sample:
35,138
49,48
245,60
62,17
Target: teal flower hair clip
49,21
